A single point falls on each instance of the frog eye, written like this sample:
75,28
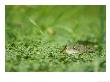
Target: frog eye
73,47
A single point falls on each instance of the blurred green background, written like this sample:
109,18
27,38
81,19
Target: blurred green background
35,35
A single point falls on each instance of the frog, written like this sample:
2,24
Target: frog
76,48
